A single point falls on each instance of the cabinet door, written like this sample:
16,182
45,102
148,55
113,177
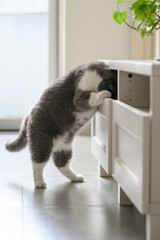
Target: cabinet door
131,131
101,139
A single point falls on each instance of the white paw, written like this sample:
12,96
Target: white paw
104,94
78,178
40,184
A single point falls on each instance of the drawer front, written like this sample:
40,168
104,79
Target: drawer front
101,138
131,130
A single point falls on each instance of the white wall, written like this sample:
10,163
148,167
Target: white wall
91,33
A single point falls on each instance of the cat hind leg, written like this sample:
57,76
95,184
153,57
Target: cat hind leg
38,174
40,153
62,162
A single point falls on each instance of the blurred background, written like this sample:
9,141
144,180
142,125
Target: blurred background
41,40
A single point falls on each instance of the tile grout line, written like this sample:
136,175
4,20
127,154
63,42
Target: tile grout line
73,205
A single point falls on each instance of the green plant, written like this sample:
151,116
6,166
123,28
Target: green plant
146,17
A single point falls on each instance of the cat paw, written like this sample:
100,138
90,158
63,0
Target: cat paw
104,94
78,178
40,184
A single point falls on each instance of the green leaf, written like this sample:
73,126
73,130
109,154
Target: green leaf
153,6
149,29
143,32
142,15
137,18
151,19
140,4
122,1
117,17
153,9
124,15
139,26
120,17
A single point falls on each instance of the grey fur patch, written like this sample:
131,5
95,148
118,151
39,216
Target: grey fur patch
61,158
21,141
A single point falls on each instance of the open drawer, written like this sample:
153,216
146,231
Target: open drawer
101,140
130,152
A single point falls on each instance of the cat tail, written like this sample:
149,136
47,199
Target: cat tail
21,141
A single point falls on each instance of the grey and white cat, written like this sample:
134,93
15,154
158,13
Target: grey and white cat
62,110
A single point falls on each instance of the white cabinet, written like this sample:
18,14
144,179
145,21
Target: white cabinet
102,135
131,135
126,138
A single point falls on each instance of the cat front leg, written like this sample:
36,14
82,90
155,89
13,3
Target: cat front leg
62,162
96,98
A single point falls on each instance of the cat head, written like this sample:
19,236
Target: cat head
109,81
97,77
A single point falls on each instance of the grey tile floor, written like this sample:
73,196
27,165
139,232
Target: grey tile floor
64,210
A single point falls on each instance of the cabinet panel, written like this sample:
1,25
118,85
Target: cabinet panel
101,131
133,89
101,140
129,149
131,130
